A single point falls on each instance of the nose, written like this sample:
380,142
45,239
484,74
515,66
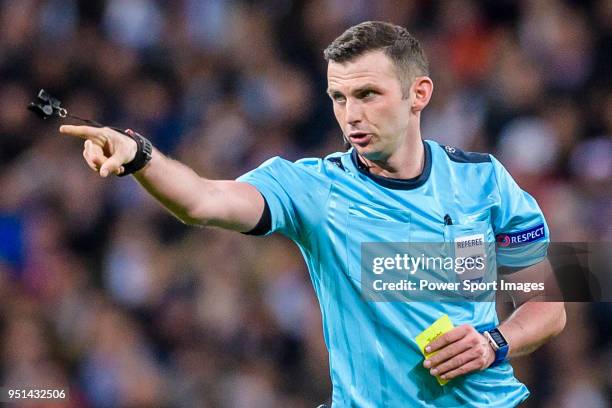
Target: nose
354,112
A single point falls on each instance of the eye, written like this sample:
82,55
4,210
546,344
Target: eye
368,93
338,98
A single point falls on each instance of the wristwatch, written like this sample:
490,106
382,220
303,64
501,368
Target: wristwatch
499,343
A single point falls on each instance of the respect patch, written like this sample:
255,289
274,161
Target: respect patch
521,237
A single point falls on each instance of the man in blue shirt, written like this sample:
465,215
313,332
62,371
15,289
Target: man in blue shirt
391,186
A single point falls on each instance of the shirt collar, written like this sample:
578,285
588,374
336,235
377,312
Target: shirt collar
394,183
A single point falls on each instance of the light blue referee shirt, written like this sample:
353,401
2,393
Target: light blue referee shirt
330,206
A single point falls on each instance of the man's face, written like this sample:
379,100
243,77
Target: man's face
369,104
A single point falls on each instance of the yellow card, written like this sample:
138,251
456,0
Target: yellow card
439,327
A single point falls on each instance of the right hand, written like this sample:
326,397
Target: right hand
105,150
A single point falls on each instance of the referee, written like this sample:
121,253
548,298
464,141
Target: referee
389,187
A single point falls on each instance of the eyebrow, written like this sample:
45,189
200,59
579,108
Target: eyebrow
364,87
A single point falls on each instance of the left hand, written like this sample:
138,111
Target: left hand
460,351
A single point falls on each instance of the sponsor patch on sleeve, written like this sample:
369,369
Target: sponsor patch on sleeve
513,239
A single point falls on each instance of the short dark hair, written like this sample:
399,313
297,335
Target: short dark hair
395,41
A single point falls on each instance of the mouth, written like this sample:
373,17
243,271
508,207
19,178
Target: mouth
360,138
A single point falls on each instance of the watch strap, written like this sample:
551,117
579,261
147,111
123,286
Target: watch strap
144,152
501,346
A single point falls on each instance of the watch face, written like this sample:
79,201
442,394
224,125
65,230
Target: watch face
498,338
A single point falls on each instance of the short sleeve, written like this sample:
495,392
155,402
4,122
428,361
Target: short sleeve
521,232
295,194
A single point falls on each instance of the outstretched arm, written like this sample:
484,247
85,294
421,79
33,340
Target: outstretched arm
191,198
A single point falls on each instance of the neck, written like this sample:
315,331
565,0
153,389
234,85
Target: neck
406,162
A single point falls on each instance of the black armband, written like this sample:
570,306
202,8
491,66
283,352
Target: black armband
265,222
144,151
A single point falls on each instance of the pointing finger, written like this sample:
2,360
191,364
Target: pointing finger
96,135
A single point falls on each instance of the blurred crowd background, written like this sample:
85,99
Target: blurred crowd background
104,292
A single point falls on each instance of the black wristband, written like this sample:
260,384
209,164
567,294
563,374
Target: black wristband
144,150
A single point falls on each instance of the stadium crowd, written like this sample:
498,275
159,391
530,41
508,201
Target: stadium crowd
104,293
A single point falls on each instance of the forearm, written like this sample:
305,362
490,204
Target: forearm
531,325
196,200
193,199
176,186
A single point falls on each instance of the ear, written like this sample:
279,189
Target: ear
422,88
